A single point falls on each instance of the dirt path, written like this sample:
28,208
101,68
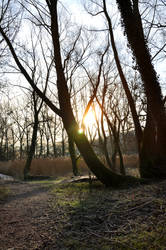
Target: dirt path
76,217
24,217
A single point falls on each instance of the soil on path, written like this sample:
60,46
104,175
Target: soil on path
25,217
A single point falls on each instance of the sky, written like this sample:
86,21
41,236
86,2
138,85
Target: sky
80,16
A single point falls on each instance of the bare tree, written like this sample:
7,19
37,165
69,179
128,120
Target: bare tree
151,141
65,109
31,150
152,152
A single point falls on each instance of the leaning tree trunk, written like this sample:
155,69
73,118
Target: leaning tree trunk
152,160
104,174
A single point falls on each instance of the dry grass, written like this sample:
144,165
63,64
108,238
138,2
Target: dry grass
60,166
130,161
46,167
5,167
131,164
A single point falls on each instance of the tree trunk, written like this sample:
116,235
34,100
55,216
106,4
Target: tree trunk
47,146
53,137
150,161
122,167
20,147
73,155
6,145
13,144
104,174
63,142
41,143
152,156
32,148
138,130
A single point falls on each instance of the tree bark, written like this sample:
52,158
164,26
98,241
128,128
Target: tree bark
152,160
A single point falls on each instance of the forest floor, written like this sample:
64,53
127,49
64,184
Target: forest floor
60,214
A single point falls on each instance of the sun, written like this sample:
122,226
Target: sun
89,119
88,124
80,131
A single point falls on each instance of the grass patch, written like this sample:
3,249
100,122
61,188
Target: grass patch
48,183
146,239
4,191
92,217
70,194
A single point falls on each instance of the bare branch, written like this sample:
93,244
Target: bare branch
26,75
